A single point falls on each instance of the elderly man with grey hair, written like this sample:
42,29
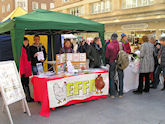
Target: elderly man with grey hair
161,66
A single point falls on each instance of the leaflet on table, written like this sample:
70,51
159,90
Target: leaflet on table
76,57
47,74
40,68
83,57
61,68
69,56
62,58
95,70
58,58
40,56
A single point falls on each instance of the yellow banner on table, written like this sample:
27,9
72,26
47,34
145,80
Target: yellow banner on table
79,87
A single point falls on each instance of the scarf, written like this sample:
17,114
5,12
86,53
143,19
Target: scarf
124,41
97,46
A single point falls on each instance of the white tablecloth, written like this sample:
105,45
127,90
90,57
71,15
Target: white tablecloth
131,79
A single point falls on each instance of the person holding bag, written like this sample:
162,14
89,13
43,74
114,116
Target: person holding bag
146,65
111,54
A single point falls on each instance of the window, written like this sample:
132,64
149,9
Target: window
52,6
77,11
8,7
136,3
65,0
34,5
3,9
43,6
21,4
101,7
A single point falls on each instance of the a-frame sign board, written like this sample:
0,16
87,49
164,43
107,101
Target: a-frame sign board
11,87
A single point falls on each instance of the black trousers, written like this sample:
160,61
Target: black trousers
25,84
147,84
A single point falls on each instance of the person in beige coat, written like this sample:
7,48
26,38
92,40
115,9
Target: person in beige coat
146,65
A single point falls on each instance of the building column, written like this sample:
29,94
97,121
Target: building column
158,34
116,5
86,9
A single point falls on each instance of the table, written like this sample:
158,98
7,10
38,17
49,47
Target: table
42,94
131,79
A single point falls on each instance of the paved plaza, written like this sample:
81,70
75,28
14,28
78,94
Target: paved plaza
131,109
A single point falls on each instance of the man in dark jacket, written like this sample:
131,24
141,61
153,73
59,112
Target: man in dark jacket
94,53
156,52
111,54
34,49
160,67
82,47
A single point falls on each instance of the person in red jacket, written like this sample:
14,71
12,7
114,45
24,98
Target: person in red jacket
26,69
126,43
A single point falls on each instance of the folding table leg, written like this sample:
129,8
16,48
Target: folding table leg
9,114
23,106
3,106
27,108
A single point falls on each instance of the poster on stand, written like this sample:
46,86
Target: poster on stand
10,83
11,87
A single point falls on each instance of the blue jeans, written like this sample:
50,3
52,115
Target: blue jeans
112,72
34,70
156,75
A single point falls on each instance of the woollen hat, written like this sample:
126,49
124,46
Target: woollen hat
114,36
123,34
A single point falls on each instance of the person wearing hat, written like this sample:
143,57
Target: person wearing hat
146,66
111,54
126,43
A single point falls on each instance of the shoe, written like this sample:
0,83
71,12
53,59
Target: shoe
137,92
146,91
163,89
112,97
30,100
152,87
120,96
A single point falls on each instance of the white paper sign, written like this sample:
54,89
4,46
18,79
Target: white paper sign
83,57
40,56
10,83
76,88
69,56
76,57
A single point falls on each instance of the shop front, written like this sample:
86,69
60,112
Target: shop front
136,30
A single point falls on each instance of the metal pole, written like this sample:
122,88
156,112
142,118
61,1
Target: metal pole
52,44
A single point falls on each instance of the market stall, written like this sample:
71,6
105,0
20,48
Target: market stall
43,22
71,83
